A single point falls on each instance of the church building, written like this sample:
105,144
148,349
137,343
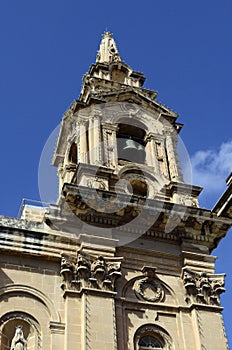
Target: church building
123,260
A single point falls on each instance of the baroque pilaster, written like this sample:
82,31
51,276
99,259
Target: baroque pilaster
110,145
174,168
150,152
83,142
97,140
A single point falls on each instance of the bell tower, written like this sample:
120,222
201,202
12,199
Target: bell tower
117,130
143,276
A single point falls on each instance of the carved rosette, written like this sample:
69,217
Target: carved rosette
202,287
85,271
149,288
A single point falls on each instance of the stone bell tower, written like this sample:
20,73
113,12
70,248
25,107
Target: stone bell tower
123,259
143,272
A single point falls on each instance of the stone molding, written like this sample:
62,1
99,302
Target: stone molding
57,327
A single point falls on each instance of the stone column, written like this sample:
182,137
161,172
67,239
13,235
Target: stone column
91,140
83,143
174,168
110,145
151,158
60,176
97,151
57,335
78,143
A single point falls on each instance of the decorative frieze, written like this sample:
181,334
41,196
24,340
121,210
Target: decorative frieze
202,287
85,271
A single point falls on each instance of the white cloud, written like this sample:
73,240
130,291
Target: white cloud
210,168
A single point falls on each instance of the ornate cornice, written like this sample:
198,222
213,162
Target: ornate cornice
192,223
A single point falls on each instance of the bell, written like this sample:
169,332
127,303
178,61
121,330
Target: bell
129,150
140,148
141,154
130,144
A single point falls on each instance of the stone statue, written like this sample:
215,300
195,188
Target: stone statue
18,342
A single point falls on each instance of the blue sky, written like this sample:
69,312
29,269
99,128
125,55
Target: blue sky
183,48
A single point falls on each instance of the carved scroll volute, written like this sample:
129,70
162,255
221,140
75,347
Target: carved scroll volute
114,272
189,282
82,269
66,271
218,289
98,272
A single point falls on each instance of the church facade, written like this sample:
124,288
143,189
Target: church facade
123,260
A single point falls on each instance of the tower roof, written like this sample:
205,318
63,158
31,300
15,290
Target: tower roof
108,51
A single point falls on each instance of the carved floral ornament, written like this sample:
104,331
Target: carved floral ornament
86,271
202,287
149,288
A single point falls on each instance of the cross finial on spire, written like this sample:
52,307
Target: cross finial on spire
108,51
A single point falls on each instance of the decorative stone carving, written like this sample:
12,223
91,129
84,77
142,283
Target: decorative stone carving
202,287
21,223
18,342
149,288
186,199
96,183
85,271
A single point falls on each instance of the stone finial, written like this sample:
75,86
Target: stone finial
108,51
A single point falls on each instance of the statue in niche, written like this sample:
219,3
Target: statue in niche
18,342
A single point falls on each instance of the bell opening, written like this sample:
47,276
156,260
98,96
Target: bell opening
130,140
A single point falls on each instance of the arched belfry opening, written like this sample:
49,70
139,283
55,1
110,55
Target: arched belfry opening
131,144
72,156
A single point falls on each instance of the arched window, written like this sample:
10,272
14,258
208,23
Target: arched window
152,337
149,342
72,157
131,144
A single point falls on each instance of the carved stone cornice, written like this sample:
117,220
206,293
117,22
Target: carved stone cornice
191,223
89,272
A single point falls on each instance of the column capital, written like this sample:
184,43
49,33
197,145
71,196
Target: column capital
110,127
82,122
152,136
